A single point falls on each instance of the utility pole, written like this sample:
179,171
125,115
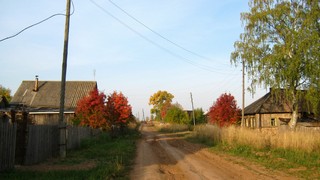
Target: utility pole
62,123
143,115
243,96
193,116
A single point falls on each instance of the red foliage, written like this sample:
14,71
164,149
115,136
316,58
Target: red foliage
118,110
224,111
91,110
165,107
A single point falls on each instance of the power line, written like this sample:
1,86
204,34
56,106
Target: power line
204,67
28,27
158,34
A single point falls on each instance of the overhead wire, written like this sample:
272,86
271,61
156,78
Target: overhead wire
225,82
158,34
201,66
35,24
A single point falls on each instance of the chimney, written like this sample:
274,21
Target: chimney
36,84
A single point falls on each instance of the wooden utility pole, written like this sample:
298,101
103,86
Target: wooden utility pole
243,96
62,123
193,116
143,115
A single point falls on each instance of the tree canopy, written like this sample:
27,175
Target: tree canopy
160,101
118,110
224,111
6,92
200,118
280,48
175,114
90,110
94,111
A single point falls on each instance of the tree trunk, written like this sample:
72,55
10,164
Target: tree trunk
295,113
294,118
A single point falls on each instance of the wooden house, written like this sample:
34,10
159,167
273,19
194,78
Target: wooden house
274,111
41,99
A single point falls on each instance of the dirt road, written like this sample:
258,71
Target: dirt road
166,156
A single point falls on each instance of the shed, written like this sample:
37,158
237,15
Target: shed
273,111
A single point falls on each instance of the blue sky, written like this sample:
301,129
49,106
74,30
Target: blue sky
125,55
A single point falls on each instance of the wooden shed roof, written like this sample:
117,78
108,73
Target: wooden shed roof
269,103
48,94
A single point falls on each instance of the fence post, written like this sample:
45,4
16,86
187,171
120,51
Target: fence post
13,116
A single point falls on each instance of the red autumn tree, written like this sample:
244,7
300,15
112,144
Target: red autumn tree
90,110
224,111
118,110
164,109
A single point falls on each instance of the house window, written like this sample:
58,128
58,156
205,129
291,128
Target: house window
273,122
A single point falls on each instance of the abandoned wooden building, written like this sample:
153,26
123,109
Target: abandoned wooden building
41,99
272,111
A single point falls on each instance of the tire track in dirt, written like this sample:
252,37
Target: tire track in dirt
166,156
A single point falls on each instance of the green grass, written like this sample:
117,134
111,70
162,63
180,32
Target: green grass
297,163
113,159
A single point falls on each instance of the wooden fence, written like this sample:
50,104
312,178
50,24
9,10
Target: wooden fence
41,143
7,145
75,135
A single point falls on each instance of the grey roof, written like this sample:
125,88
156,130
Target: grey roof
269,103
48,94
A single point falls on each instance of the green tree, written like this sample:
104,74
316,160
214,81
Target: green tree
6,92
160,101
199,116
175,114
280,48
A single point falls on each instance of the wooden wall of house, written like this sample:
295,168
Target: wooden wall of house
49,119
271,120
266,120
250,121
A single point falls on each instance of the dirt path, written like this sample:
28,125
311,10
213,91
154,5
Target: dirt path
166,156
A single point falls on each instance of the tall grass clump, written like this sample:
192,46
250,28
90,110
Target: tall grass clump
294,151
208,134
303,140
269,138
246,137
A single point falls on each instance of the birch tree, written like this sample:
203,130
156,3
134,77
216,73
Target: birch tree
280,48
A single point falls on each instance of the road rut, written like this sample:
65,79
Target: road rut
167,156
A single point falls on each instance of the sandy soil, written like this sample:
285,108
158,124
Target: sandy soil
166,156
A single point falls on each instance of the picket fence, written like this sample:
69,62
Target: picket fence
7,145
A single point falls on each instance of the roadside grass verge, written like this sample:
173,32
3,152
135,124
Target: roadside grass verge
172,128
297,163
293,152
111,158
